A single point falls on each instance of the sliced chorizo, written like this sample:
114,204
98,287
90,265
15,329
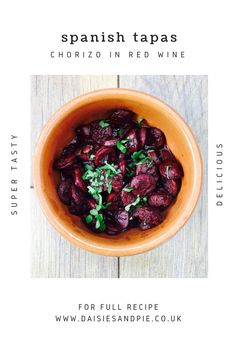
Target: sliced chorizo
143,184
64,191
147,217
145,168
127,197
64,162
171,170
117,183
132,141
172,186
104,154
100,134
142,136
166,154
153,156
114,201
121,117
122,163
160,198
156,137
77,175
85,152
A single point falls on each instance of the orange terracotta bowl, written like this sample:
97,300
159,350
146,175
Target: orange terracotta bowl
58,132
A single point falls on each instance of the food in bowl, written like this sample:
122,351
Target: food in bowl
118,173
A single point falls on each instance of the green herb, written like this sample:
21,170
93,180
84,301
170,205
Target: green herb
109,187
109,166
127,189
94,212
136,202
144,199
140,121
139,201
104,123
121,145
102,226
99,220
89,218
129,171
140,157
88,167
91,190
104,206
120,131
97,178
136,156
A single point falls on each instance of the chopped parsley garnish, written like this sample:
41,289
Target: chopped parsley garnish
127,189
97,216
130,172
120,131
121,145
139,201
89,218
137,156
140,121
140,157
104,123
98,177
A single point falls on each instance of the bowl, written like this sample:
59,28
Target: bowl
59,130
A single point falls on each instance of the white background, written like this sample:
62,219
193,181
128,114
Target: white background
29,31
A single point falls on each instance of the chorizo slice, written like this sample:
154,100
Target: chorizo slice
122,218
144,168
117,183
122,163
100,134
85,152
77,176
70,148
104,154
156,137
142,136
121,117
114,199
143,184
117,222
147,217
171,170
111,142
166,154
78,203
153,156
64,191
64,162
160,198
127,197
132,143
172,186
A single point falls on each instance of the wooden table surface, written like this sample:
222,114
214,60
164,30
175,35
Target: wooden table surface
185,255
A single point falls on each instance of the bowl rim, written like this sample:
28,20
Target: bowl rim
114,250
